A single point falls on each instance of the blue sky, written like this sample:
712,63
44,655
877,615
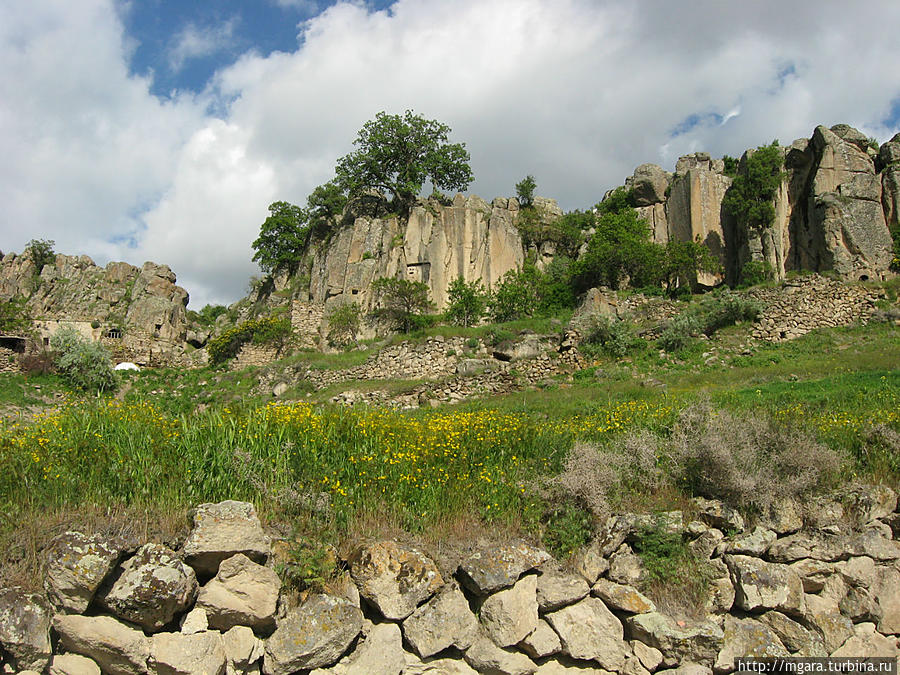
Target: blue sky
161,130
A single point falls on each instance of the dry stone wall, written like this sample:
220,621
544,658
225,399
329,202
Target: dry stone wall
788,585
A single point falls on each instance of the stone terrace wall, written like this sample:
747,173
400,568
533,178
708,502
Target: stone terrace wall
306,321
806,303
9,360
824,582
254,355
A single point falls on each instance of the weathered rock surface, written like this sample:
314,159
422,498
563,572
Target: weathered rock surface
73,664
178,654
696,643
749,638
241,594
243,650
589,631
222,530
76,566
866,642
487,571
117,649
486,657
394,579
508,616
557,589
380,653
25,628
542,641
313,635
622,597
442,622
153,587
761,585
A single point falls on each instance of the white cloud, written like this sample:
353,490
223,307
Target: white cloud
193,42
575,92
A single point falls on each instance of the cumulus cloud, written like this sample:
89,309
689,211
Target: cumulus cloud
193,42
575,92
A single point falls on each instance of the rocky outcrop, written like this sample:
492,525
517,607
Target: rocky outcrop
830,589
138,312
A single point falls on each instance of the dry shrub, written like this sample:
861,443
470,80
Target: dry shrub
747,461
596,476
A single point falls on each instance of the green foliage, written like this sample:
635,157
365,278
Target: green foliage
324,204
515,296
343,323
731,165
680,332
567,232
208,315
727,309
84,364
613,338
41,253
525,191
308,565
396,155
750,198
15,316
568,528
466,302
682,260
267,330
282,239
401,302
665,555
619,200
895,259
755,272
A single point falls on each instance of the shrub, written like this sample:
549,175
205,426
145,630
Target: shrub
267,330
895,258
343,323
614,338
514,297
525,191
755,272
466,302
750,198
680,332
665,554
14,316
748,462
84,364
568,528
728,310
400,302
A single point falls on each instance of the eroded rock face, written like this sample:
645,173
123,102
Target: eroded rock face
76,566
394,579
25,628
154,586
222,530
313,635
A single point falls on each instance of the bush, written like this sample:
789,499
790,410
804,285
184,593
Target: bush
14,316
343,323
525,191
267,330
614,338
680,332
755,272
401,302
84,364
568,528
466,302
728,310
515,297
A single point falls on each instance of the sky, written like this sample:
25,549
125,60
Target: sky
162,129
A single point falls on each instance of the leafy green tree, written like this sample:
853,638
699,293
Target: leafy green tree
208,315
525,191
282,239
467,302
324,204
400,302
750,199
41,253
14,316
397,154
343,323
515,296
84,364
682,260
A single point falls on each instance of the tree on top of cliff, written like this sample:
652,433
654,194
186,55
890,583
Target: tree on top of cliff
750,197
396,155
282,238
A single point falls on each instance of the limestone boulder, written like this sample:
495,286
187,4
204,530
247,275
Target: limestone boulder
816,546
179,654
242,593
705,544
25,628
746,638
698,642
393,578
622,597
754,543
195,621
115,647
885,591
442,622
313,635
793,635
649,185
223,530
486,657
440,667
509,615
76,566
380,653
626,567
650,657
716,513
557,589
154,586
867,642
73,664
589,631
542,641
760,585
489,570
243,650
822,615
783,517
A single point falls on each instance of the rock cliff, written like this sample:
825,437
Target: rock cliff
137,311
833,208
